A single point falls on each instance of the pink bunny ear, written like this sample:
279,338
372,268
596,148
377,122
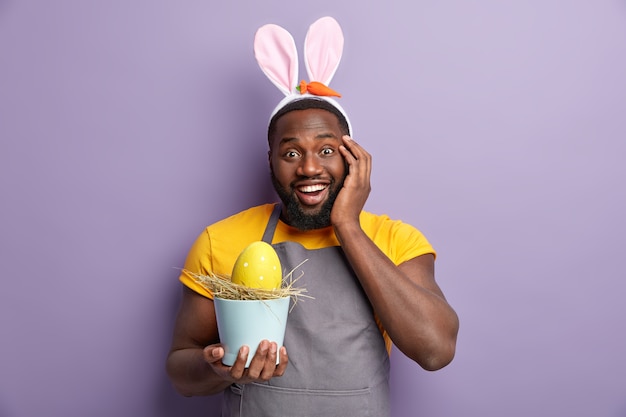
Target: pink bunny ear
323,47
276,53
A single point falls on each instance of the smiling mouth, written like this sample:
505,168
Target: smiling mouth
311,195
311,188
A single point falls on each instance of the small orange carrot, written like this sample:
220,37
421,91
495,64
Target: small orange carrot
316,88
302,88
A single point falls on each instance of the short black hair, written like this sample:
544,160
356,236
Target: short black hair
305,104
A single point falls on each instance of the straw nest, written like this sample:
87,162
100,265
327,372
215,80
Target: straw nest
222,287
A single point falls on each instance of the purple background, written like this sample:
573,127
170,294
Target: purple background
497,128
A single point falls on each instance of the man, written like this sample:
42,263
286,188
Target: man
371,278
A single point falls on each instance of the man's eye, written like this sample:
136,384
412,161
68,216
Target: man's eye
327,151
291,154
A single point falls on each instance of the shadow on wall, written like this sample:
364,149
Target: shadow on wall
4,411
167,402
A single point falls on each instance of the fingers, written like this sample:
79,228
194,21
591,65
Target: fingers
270,362
213,353
259,361
346,148
263,363
356,185
262,366
359,164
239,367
354,150
284,360
358,159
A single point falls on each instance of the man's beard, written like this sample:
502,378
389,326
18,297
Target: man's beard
296,217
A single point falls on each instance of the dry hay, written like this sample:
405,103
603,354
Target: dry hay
222,287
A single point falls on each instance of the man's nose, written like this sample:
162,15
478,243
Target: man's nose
310,166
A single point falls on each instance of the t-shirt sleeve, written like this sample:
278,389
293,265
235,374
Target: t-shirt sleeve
410,243
400,241
198,262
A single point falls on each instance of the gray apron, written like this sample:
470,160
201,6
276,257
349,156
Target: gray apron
338,364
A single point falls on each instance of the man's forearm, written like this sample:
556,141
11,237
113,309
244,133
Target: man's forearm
191,375
418,319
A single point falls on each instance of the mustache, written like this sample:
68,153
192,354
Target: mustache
295,216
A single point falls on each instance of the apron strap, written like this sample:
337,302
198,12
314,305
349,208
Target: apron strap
271,224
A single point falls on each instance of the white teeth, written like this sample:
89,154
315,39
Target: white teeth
312,188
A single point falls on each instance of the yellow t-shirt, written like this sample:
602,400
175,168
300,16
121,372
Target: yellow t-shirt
219,245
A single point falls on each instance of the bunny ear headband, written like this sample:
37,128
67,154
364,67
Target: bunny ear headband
276,53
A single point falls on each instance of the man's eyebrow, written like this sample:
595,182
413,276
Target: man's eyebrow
287,140
328,135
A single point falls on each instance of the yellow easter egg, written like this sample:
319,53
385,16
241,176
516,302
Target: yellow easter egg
258,266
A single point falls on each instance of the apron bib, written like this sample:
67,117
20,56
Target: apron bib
338,364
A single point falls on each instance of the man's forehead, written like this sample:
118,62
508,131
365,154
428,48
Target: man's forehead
308,119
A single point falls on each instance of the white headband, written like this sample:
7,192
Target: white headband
277,55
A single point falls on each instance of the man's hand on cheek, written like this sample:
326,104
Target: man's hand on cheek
356,186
